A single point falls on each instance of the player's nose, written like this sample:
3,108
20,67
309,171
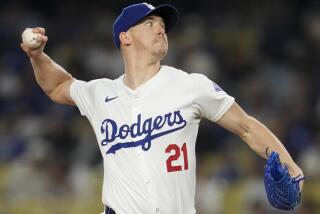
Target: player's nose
160,29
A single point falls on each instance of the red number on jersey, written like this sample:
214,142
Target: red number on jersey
175,156
185,155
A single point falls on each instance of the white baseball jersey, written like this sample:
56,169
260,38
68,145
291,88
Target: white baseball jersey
147,137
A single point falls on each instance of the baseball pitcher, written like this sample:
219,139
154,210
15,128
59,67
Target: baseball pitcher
146,121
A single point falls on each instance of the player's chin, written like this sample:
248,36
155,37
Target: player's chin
161,51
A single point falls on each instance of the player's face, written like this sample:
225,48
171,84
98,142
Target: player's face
149,35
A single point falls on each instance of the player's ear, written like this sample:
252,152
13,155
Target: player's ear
125,38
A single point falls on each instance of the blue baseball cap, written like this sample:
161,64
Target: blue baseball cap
132,14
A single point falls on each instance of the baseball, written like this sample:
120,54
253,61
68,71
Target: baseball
30,38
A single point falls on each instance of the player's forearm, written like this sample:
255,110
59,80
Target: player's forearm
259,138
49,75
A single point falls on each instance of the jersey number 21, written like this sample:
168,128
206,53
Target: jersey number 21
175,156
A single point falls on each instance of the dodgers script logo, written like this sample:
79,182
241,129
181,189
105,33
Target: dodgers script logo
111,131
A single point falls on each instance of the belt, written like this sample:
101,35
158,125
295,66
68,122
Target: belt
109,211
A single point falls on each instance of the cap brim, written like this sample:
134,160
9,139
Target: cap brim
168,13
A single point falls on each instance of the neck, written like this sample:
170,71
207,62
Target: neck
139,70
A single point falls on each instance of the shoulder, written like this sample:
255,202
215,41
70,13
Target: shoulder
173,73
192,83
90,88
98,82
92,83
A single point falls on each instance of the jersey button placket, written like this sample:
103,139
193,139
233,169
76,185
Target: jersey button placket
135,112
135,105
146,177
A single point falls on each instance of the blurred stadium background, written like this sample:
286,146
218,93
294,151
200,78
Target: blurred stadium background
264,53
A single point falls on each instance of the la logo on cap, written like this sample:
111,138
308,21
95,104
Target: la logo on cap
149,6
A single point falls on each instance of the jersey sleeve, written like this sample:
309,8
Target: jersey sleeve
83,95
211,100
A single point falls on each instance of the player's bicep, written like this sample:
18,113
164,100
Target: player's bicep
235,120
62,95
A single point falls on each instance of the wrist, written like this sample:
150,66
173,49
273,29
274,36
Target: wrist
295,171
38,57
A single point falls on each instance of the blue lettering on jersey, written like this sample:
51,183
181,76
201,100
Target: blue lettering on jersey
140,128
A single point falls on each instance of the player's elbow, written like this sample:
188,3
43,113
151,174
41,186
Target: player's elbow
53,95
247,127
60,94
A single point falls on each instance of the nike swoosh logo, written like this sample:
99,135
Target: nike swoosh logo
109,99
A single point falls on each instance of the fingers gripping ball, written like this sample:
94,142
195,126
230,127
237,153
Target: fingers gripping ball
29,38
283,191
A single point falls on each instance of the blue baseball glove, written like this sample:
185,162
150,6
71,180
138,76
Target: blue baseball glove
283,191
